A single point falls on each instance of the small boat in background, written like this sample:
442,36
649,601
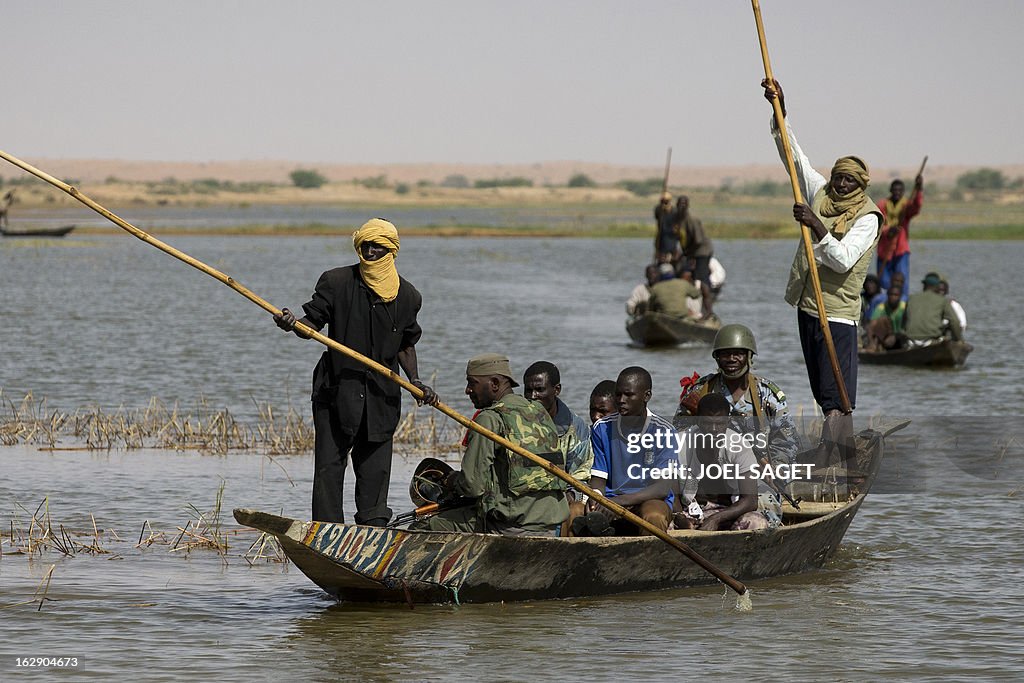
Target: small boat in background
946,353
37,232
659,329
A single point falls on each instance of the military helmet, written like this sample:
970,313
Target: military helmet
734,336
427,483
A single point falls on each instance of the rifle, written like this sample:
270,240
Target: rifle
427,510
413,515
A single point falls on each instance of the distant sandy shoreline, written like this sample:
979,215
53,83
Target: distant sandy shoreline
541,173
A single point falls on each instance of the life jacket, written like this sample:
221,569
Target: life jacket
531,428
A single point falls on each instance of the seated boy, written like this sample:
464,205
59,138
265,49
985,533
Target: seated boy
718,492
628,446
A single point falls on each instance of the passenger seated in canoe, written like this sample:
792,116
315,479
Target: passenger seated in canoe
871,295
929,317
885,323
720,490
695,305
961,314
716,277
542,383
628,446
636,304
756,404
510,495
602,400
670,294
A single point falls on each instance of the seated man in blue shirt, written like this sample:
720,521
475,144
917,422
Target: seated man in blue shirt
628,447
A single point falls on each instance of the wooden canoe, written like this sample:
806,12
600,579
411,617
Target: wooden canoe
37,232
370,564
942,354
659,329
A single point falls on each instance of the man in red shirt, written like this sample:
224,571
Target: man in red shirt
894,245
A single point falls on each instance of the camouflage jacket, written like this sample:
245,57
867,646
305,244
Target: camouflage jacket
509,488
782,438
574,442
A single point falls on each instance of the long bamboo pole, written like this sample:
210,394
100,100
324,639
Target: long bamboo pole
805,232
393,376
668,166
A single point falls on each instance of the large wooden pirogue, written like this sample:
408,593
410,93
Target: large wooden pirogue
369,564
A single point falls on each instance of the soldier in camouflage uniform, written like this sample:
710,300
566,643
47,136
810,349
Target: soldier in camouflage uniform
511,495
734,349
757,405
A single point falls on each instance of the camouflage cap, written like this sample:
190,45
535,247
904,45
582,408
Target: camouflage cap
490,364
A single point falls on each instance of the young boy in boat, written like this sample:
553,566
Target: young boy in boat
542,382
720,487
510,495
602,400
624,462
885,322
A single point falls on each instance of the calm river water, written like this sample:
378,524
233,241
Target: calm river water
927,585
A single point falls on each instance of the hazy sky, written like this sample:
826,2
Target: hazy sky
511,82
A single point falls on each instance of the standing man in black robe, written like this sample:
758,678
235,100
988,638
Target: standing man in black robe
368,308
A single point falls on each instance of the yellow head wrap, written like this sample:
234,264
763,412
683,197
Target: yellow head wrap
380,275
846,206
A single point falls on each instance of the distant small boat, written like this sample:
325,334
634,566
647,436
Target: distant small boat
946,353
37,232
659,329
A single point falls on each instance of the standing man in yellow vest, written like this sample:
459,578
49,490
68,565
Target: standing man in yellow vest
845,225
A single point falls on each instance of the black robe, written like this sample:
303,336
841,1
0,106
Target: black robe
357,318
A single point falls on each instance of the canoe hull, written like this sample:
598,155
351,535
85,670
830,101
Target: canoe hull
658,329
369,564
946,354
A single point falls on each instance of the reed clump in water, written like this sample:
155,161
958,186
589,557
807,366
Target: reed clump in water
34,533
418,433
202,428
29,421
204,530
42,534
